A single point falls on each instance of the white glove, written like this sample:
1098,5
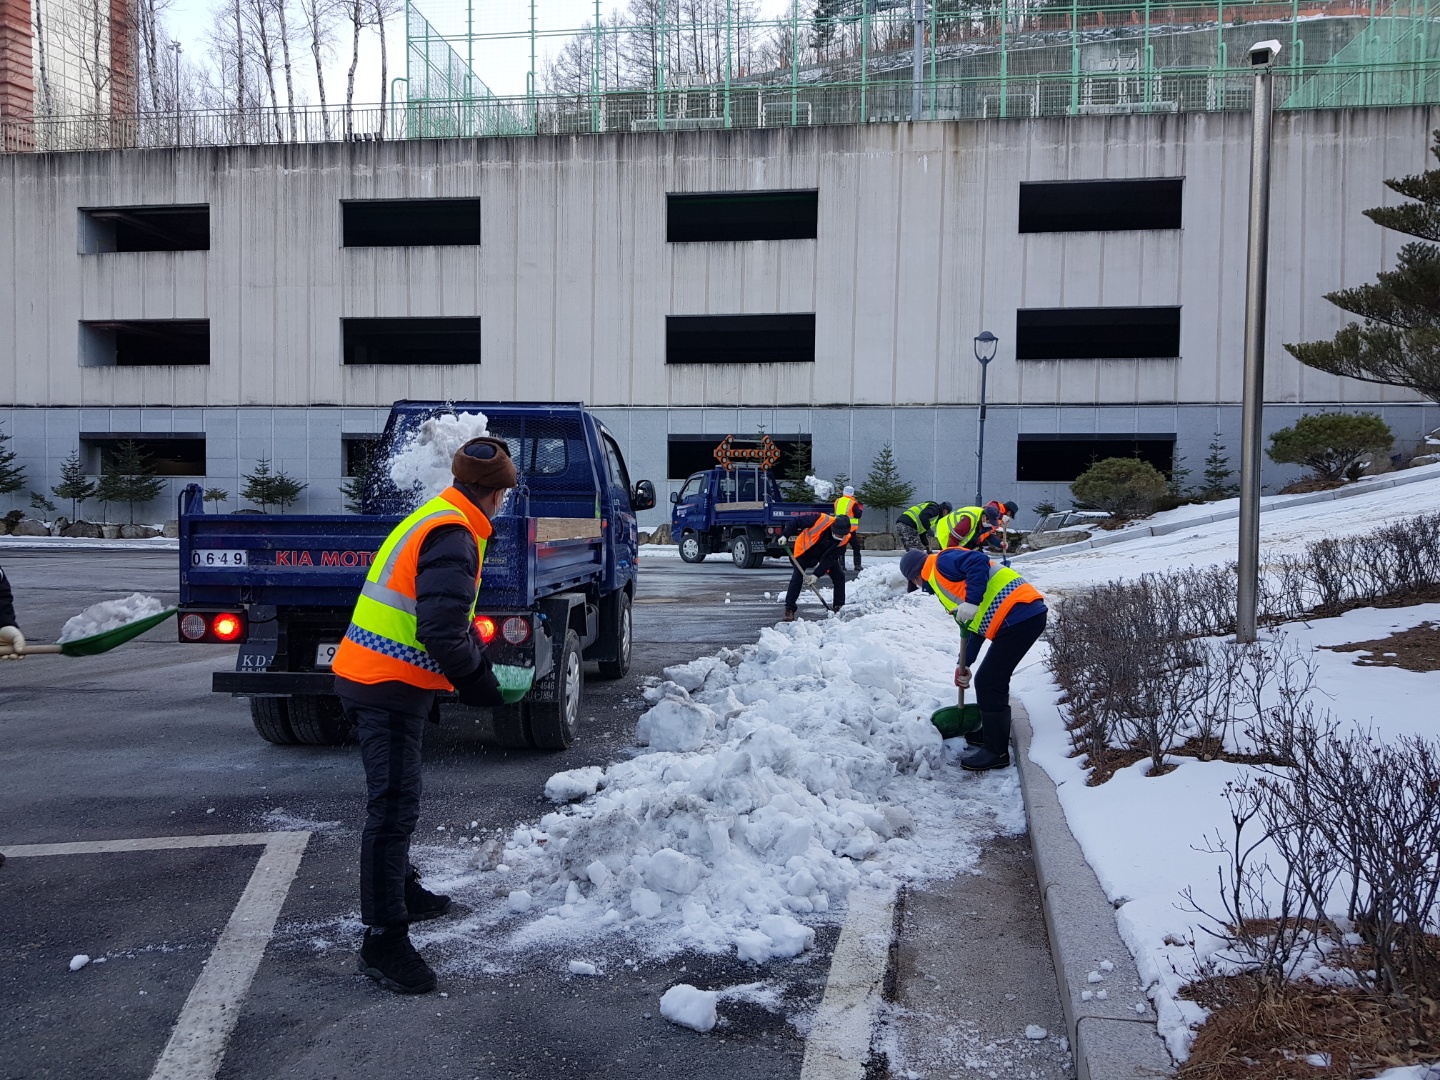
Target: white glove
965,612
962,678
10,635
810,580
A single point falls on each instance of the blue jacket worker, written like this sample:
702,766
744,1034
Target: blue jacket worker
820,542
990,602
9,630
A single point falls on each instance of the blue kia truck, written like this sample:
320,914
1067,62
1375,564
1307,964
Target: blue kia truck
739,510
557,590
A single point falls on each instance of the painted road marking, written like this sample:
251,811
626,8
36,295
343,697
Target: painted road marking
839,1043
197,1043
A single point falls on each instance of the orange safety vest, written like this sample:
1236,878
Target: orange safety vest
1004,589
811,536
380,644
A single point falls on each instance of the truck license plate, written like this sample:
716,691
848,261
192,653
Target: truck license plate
219,557
325,653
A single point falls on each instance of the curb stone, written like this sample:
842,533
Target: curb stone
1109,1039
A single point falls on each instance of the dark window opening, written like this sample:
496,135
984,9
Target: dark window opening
412,341
1103,333
740,339
144,228
357,452
177,454
1062,458
694,453
411,223
741,215
145,343
1100,205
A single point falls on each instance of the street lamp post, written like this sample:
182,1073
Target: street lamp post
985,346
1262,59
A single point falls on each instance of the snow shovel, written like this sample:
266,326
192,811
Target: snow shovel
961,719
803,575
95,644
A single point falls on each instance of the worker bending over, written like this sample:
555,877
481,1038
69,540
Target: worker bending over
9,630
412,636
915,525
847,505
1010,614
972,526
820,541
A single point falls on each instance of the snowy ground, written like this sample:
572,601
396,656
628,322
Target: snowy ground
771,780
1142,835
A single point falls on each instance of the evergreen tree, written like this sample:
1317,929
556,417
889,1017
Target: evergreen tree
260,486
1399,341
41,503
74,484
109,490
12,476
132,477
884,488
792,481
216,495
286,490
354,487
1218,473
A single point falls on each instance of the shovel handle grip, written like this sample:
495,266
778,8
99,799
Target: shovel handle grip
31,650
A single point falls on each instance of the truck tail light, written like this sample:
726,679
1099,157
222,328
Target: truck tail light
192,627
485,627
516,629
225,627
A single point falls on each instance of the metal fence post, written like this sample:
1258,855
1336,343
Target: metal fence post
917,79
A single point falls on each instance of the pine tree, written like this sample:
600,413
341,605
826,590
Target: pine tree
133,477
216,495
74,484
1399,341
1218,473
884,488
286,490
260,486
12,476
354,487
41,503
797,467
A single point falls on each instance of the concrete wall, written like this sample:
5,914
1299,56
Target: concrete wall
918,250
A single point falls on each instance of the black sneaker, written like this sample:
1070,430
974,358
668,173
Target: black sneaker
421,903
392,961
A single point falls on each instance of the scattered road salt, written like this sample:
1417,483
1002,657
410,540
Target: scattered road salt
683,1004
109,615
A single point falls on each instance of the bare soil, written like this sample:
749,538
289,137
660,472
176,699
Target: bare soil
1416,649
1309,484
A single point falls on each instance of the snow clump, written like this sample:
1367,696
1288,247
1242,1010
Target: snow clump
683,1004
109,615
574,784
581,967
422,465
79,960
824,490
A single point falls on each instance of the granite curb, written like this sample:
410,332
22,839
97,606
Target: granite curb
1114,1038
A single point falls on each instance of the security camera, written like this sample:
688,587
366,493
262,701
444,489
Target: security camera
1264,54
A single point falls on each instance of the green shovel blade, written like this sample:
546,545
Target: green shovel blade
107,640
955,720
515,682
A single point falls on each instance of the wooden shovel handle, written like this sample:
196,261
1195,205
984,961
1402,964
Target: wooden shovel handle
32,650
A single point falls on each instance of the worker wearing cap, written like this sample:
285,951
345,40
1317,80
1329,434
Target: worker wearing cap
993,603
9,632
973,526
820,541
847,505
914,525
412,636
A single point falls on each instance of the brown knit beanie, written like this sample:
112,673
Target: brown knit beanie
484,462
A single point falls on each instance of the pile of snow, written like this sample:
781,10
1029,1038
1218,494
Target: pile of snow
684,1005
776,778
109,615
423,463
824,490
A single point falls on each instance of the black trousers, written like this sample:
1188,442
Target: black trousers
834,568
390,742
1002,657
854,547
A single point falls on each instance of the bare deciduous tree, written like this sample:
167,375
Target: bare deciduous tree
320,21
383,10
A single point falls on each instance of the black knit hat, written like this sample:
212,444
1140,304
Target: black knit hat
840,527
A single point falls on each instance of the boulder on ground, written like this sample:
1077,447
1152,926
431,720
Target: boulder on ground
110,532
87,529
661,536
138,532
1056,537
59,525
880,542
30,527
172,529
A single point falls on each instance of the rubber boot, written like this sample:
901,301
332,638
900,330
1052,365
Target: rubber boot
420,902
995,753
392,961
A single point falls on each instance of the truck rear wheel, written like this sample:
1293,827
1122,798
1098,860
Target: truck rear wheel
746,553
555,724
616,669
692,550
318,720
271,717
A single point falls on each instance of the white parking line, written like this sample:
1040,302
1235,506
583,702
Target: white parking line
839,1043
208,1017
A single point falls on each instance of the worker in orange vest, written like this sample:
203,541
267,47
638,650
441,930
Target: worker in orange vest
411,637
820,541
847,505
990,602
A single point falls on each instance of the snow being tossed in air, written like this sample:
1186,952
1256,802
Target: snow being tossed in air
824,489
109,615
422,464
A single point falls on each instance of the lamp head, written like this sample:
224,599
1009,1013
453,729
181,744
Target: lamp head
985,346
1264,53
